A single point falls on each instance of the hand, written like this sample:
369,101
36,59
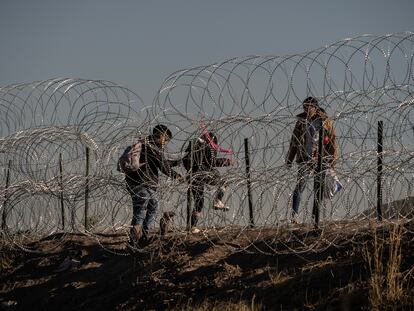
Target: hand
180,179
232,162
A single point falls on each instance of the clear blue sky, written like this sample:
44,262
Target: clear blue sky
138,43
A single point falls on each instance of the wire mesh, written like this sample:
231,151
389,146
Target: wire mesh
358,81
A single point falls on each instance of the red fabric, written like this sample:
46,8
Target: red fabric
212,143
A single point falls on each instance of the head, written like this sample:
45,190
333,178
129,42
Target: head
161,134
311,107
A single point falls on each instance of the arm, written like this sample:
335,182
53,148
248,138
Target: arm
294,142
220,162
165,165
212,160
157,159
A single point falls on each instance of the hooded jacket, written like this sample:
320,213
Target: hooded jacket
297,142
153,160
204,157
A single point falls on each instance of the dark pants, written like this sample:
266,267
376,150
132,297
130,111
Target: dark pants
304,174
197,182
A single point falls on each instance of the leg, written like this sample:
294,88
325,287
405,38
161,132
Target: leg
152,207
140,197
220,190
213,178
139,204
197,191
303,175
318,188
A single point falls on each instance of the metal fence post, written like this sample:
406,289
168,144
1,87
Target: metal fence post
319,179
62,207
87,188
189,194
379,170
4,215
248,178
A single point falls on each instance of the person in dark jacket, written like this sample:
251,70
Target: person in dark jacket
304,147
200,162
143,183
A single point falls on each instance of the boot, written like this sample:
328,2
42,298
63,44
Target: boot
135,235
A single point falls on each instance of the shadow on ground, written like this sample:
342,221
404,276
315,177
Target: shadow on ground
269,269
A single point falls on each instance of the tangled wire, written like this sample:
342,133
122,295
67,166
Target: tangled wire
61,139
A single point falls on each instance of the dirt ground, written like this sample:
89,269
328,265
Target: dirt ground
289,268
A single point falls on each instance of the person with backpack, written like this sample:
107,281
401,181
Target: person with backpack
200,161
304,146
141,163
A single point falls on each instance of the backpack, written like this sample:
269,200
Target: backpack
129,160
199,149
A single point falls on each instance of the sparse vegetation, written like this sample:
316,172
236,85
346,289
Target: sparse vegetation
388,284
94,220
275,276
348,267
219,306
6,258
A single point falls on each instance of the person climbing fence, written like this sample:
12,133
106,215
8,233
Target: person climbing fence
200,161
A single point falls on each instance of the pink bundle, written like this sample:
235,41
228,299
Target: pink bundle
212,143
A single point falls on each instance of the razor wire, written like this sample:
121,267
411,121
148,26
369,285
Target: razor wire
43,122
358,81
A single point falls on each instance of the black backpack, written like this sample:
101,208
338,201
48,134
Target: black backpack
201,151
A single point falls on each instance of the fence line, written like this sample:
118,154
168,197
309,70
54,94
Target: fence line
255,97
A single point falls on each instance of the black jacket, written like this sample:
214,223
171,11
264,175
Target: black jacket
204,157
154,160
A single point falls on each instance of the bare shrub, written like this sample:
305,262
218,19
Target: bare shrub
388,285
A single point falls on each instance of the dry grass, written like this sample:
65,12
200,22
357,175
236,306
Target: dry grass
345,268
388,285
220,306
275,276
317,264
7,256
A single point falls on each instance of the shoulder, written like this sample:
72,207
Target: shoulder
328,122
300,121
301,116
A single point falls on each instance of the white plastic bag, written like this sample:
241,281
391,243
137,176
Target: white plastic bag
332,184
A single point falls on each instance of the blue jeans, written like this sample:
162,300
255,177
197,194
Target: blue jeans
144,207
304,172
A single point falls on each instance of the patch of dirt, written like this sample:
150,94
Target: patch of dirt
270,269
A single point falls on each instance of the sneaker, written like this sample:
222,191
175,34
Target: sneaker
294,218
219,205
195,230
